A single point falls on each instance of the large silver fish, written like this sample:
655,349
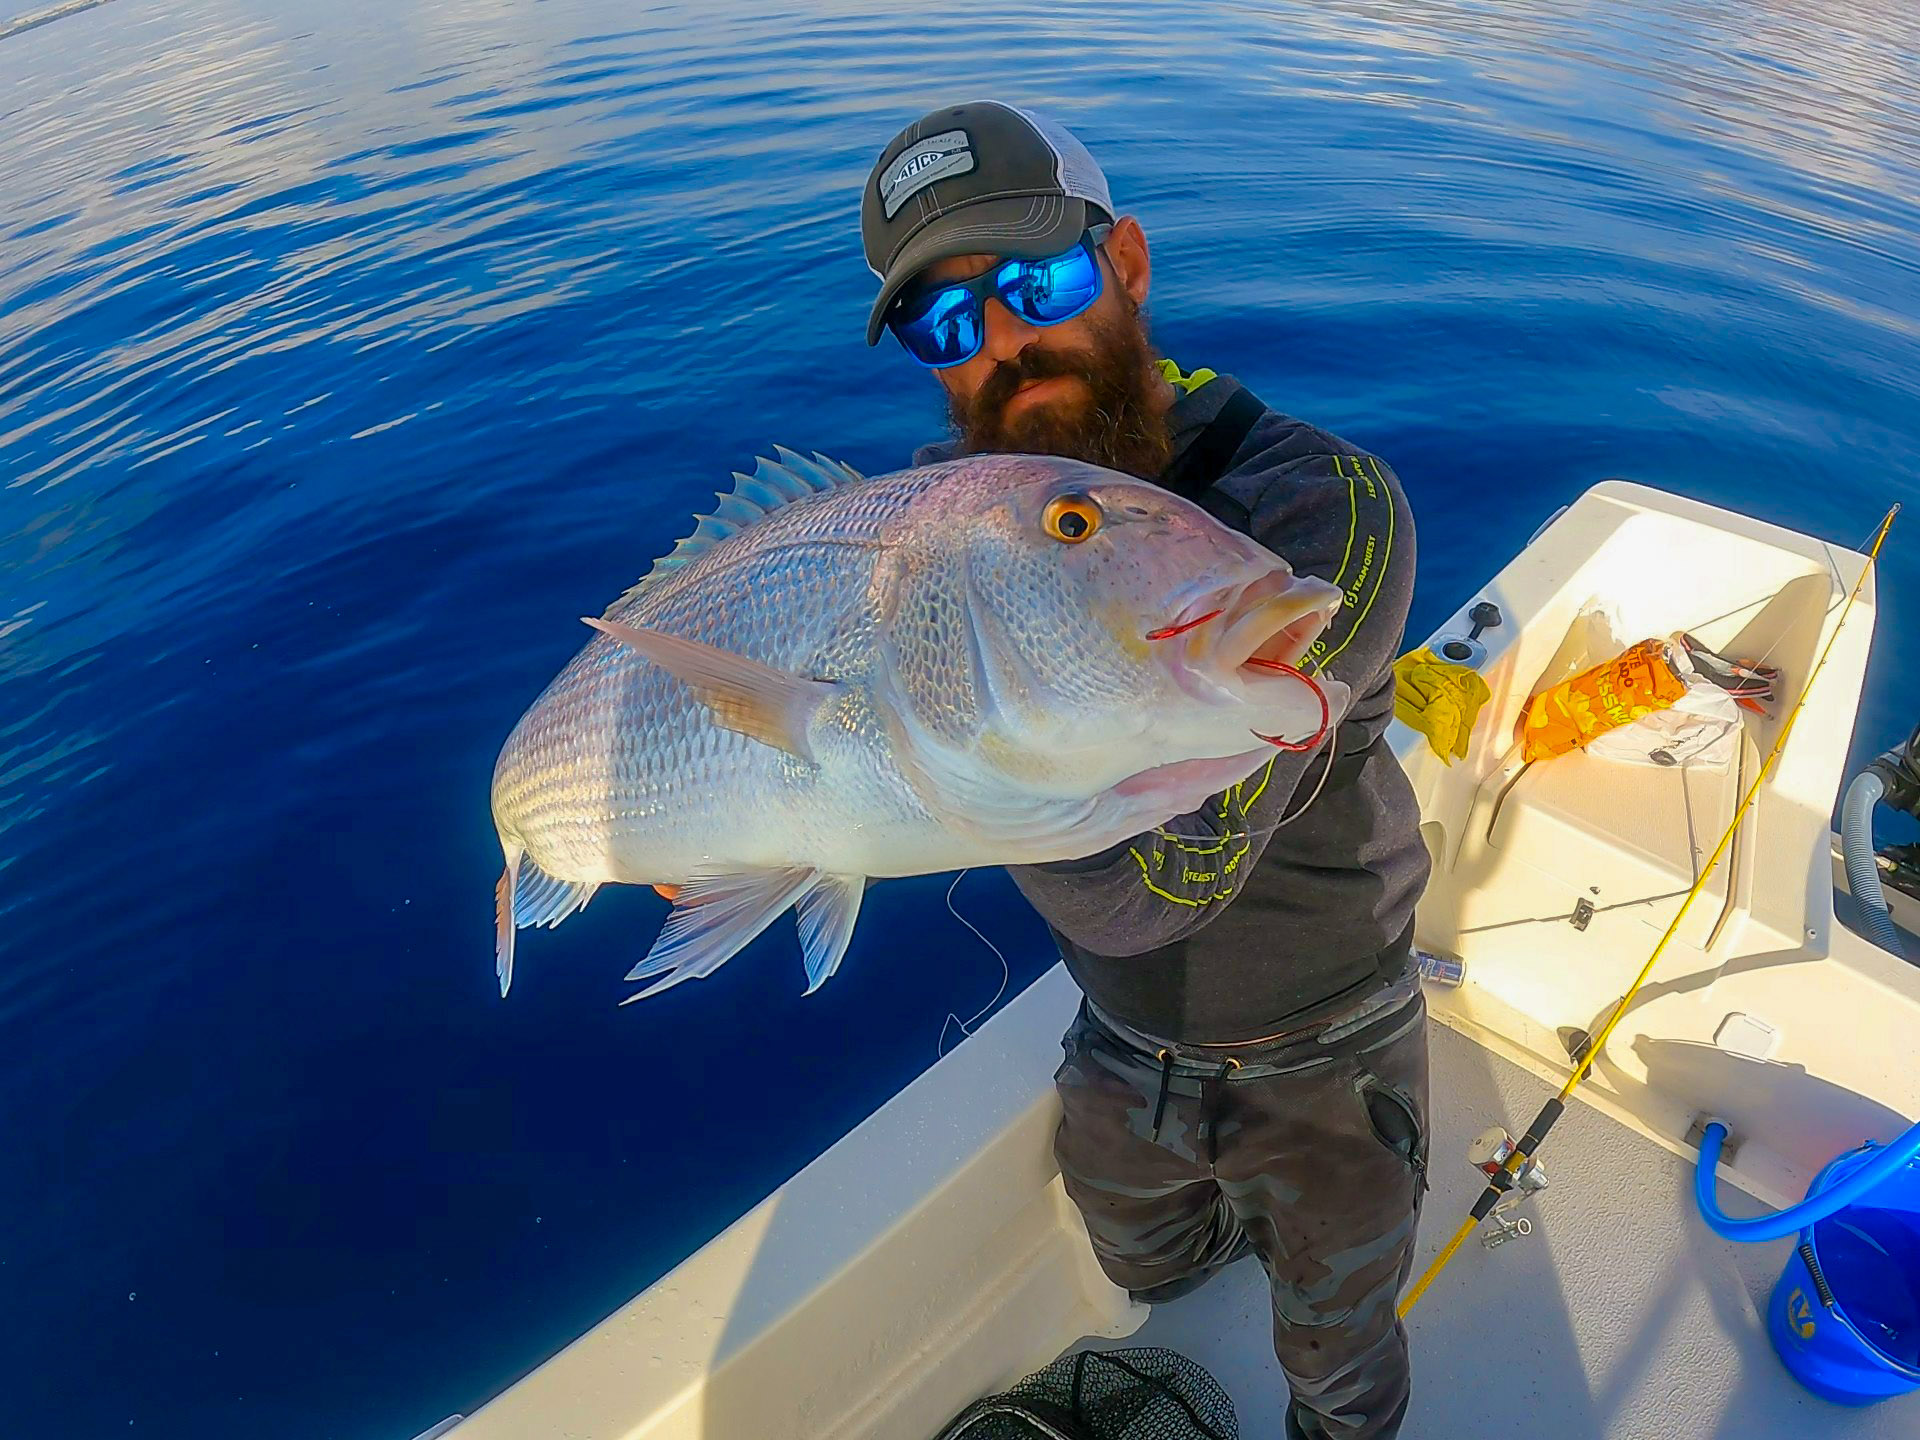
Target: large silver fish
1001,659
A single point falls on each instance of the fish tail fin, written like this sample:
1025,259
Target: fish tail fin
503,925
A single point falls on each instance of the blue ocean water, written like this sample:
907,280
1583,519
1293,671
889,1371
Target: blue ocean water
348,352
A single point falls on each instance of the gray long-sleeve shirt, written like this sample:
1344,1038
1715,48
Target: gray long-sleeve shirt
1271,905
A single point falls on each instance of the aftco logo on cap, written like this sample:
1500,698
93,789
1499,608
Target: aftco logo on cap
920,165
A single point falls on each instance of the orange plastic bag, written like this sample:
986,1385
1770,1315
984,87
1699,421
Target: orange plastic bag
1614,693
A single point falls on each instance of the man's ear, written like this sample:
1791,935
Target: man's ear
1126,248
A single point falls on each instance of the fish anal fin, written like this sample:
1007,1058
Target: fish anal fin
826,916
715,917
772,706
503,926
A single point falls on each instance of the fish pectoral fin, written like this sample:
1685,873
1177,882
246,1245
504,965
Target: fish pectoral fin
772,706
826,915
714,918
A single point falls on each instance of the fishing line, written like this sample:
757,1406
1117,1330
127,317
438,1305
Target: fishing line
1502,1179
1839,599
1006,974
1319,785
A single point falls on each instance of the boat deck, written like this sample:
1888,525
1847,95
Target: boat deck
931,1257
1621,1316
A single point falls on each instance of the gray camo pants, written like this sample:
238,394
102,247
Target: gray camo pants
1313,1158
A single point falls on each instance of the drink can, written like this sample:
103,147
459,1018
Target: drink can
1446,970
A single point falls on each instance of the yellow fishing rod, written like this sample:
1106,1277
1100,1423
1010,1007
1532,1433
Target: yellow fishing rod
1502,1179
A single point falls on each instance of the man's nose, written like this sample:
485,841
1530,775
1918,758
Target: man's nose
1006,334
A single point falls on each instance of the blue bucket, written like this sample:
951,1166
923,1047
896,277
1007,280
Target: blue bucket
1845,1317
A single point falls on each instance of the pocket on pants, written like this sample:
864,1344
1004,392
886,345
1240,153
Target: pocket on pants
1396,1124
1074,1044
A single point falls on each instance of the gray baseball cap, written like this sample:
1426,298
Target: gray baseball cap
979,178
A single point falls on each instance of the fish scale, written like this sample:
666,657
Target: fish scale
833,679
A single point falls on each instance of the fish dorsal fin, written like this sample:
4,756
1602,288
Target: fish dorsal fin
773,484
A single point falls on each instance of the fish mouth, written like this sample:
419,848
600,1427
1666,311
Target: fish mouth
1249,633
1275,620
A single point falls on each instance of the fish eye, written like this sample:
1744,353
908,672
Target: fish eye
1070,518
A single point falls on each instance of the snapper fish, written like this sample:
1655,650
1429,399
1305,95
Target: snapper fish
1000,659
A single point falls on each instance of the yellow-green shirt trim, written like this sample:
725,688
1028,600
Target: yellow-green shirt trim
1186,384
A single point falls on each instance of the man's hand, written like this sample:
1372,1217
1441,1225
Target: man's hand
667,892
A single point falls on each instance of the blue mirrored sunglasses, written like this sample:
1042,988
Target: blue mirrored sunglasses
945,325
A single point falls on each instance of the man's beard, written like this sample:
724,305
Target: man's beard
1119,424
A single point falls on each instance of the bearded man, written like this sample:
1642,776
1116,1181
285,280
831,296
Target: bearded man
1248,1070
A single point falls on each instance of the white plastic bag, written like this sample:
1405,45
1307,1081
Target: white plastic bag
1701,729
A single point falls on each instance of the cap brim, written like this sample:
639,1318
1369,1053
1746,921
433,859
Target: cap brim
1028,227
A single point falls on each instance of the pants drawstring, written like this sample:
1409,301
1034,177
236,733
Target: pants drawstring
1165,1057
1209,1101
1210,1109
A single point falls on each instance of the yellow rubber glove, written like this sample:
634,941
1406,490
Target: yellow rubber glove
1439,699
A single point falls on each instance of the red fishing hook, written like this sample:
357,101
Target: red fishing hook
1326,714
1167,632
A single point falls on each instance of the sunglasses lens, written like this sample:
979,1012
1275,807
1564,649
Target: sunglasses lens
1045,292
941,328
944,327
